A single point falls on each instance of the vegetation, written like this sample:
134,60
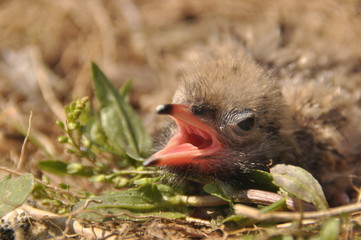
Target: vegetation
109,144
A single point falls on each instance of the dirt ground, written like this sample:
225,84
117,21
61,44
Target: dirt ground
46,48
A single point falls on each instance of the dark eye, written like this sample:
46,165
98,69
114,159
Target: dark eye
246,124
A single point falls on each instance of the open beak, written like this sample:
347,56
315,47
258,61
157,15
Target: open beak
193,141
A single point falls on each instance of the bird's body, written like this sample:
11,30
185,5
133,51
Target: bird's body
233,116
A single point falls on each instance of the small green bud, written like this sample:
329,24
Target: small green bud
72,106
56,203
62,211
71,151
45,179
69,116
110,177
73,125
86,142
84,100
99,166
99,178
46,202
64,186
76,113
143,181
63,139
60,124
74,168
120,182
80,103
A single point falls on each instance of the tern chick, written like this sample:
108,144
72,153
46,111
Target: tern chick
231,117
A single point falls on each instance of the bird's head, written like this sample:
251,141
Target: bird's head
230,118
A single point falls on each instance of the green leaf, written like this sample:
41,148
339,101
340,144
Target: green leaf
330,229
216,190
221,191
280,204
14,191
299,183
97,136
54,166
145,201
263,180
119,121
125,90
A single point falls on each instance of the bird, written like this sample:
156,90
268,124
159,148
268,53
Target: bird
230,115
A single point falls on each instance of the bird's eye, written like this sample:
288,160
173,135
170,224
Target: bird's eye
239,122
246,124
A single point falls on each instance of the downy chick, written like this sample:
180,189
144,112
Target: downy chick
231,116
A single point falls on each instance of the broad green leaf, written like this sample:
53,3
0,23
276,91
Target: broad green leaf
54,166
97,136
221,191
14,191
330,229
119,121
263,180
145,201
299,183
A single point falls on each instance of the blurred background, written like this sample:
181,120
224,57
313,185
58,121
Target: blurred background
46,48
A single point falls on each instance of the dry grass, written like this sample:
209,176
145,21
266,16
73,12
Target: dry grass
46,48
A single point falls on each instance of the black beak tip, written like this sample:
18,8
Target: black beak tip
151,162
164,109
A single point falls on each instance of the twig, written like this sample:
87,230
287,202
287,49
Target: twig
254,228
198,221
65,221
12,116
39,214
91,232
295,216
266,198
203,201
248,196
20,165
